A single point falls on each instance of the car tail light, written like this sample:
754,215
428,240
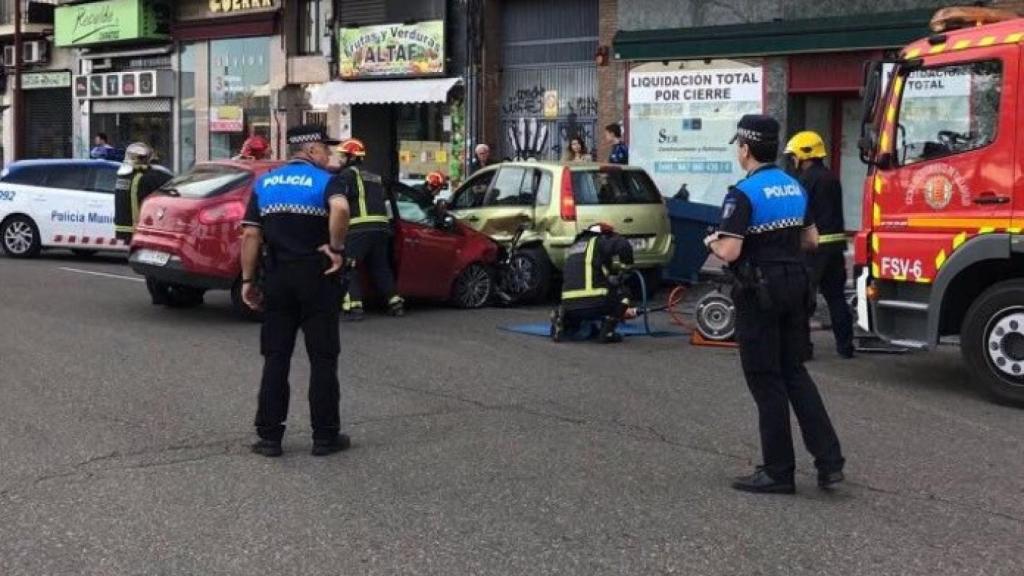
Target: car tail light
227,212
568,202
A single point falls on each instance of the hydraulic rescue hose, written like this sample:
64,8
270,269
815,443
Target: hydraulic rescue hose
674,299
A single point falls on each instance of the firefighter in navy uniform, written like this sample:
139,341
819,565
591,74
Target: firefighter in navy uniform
828,262
299,211
369,240
765,227
592,289
137,179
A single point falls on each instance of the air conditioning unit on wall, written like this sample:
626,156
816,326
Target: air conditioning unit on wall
35,51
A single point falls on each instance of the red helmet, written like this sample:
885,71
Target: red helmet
352,147
256,147
435,180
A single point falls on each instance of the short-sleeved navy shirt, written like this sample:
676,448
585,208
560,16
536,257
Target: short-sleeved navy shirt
290,204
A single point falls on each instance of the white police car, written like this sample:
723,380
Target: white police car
58,204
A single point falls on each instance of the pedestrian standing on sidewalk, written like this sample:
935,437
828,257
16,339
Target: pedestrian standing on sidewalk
620,152
828,262
766,226
299,211
577,151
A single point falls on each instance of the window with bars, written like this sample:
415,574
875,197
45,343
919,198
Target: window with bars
312,26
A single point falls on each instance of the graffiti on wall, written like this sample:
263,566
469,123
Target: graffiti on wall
531,133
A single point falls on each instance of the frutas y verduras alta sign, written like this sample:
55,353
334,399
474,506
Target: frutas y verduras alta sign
111,21
392,50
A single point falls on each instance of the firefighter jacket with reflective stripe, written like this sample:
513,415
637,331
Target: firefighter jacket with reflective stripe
588,263
825,195
129,192
366,201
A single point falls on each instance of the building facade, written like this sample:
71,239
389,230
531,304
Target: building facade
692,68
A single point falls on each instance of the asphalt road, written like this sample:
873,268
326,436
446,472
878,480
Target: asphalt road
124,431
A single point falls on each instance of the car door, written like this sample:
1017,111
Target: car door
426,254
99,222
46,207
508,203
468,201
68,195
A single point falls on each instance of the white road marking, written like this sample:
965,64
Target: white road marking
103,274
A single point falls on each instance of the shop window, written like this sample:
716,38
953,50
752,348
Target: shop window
949,110
187,107
311,24
239,93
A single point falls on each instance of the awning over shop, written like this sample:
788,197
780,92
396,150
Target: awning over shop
833,34
381,91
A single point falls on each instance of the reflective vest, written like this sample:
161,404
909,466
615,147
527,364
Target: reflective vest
368,208
584,276
127,201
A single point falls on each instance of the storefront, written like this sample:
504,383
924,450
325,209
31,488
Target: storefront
687,88
400,103
48,103
126,83
232,66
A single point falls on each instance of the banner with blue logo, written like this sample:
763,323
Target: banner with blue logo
681,118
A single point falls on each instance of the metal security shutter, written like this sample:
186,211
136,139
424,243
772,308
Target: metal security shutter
48,118
363,12
141,106
547,47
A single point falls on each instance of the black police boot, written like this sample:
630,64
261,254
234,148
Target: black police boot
396,307
268,448
845,351
557,325
608,333
829,479
339,443
761,483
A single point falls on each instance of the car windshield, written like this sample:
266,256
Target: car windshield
206,181
614,187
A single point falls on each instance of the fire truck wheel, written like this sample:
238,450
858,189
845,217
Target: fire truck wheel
992,341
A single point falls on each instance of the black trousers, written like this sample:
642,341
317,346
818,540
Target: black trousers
371,251
298,295
828,275
771,340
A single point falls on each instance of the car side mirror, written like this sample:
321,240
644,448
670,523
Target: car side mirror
447,223
441,205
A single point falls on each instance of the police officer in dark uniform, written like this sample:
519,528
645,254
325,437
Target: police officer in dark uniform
765,227
300,212
591,289
828,262
369,239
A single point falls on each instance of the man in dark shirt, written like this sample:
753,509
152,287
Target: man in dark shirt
620,152
828,262
765,227
301,213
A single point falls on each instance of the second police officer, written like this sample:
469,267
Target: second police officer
828,262
766,226
300,213
369,239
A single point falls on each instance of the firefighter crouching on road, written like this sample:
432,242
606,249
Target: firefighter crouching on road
766,225
828,262
369,238
591,288
300,211
137,179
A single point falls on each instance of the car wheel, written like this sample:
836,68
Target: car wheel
179,296
527,277
473,288
79,252
240,307
992,341
20,237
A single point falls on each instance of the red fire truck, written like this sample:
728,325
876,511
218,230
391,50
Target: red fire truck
941,253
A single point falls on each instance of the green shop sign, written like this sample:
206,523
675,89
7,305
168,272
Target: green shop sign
392,50
112,21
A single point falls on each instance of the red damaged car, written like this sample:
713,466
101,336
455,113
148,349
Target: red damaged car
188,238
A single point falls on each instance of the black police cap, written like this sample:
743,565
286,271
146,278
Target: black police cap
757,128
309,133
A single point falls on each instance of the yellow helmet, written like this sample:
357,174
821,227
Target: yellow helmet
806,145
